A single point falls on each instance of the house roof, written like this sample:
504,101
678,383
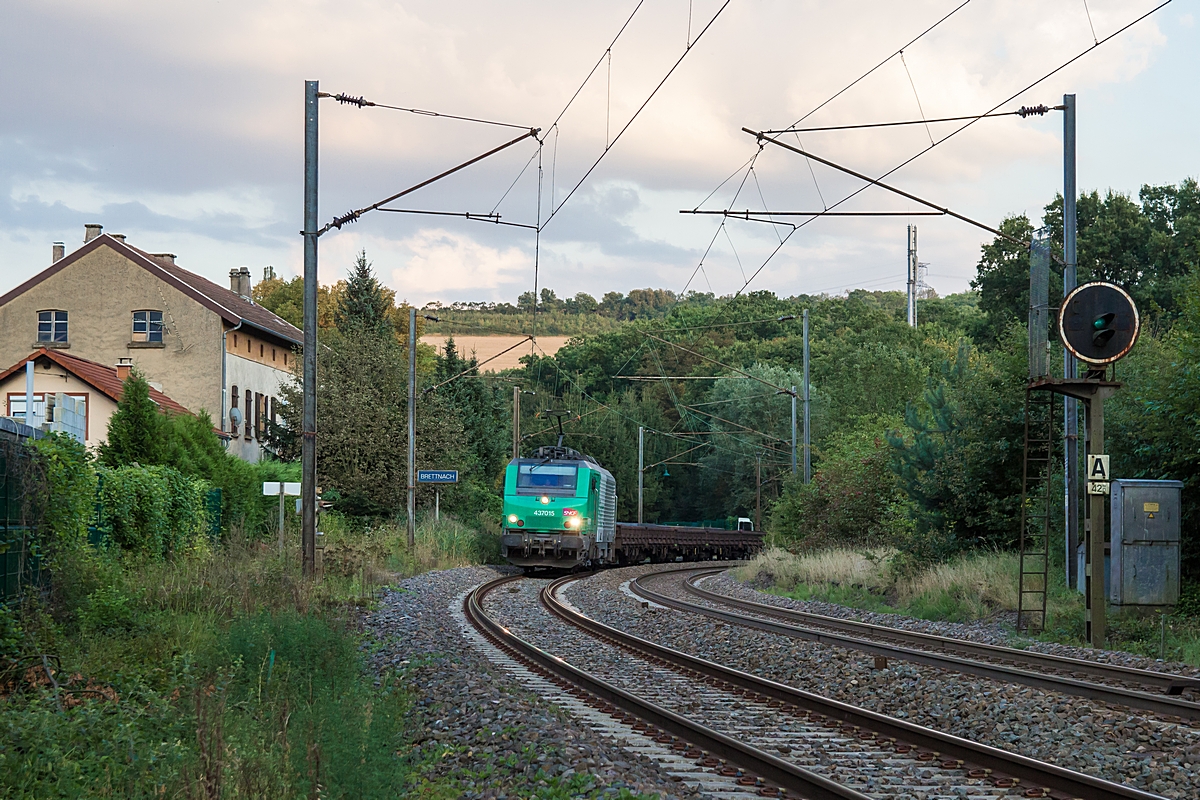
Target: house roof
102,377
231,307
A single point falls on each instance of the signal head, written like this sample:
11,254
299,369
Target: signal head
1098,323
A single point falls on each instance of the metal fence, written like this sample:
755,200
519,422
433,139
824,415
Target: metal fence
20,563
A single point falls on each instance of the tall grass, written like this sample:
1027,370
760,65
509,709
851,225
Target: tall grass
972,586
221,673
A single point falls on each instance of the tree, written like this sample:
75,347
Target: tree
959,456
136,428
286,300
1002,279
364,307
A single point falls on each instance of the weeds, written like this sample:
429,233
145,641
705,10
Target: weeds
222,673
971,586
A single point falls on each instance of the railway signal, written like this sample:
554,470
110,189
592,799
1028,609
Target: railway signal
1098,323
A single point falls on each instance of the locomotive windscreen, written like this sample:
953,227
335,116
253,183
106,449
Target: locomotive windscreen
542,477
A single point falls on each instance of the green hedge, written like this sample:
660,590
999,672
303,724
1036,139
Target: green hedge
151,510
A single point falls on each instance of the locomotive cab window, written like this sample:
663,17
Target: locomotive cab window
539,477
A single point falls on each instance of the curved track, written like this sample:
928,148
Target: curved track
869,753
1007,664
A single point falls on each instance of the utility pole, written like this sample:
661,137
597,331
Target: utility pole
1070,365
807,386
913,278
641,472
758,494
308,441
516,425
793,430
412,427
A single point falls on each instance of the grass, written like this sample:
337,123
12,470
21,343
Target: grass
973,586
223,673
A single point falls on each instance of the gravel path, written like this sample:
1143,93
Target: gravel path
1114,744
474,725
982,631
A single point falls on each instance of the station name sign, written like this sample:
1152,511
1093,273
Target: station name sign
437,476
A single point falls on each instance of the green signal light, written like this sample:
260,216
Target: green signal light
1102,329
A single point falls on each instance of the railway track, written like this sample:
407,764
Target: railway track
775,740
1040,670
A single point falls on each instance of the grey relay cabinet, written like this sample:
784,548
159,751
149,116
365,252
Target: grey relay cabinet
1145,543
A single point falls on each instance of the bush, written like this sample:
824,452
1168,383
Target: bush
108,609
853,499
68,502
152,510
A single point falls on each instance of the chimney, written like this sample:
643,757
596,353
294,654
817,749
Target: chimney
124,367
91,231
239,281
120,237
59,250
166,258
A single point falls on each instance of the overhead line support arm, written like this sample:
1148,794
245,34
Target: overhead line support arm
353,216
763,137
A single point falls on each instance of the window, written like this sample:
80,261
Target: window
233,428
52,326
272,353
147,326
260,351
543,477
249,411
235,340
16,407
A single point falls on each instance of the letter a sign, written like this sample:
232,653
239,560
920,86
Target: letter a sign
1097,474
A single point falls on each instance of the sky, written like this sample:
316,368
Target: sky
181,126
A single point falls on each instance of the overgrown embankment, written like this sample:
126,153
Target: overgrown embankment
972,586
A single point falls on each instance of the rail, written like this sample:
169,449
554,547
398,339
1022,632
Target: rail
768,767
1157,703
973,757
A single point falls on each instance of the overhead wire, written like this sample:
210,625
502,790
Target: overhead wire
359,101
636,114
959,130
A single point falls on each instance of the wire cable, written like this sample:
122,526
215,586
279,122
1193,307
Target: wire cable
962,128
646,102
351,100
1023,111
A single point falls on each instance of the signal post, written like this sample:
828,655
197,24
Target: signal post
1098,324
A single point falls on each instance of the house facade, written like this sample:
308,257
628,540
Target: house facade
207,347
94,388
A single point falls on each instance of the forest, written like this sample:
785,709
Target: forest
916,433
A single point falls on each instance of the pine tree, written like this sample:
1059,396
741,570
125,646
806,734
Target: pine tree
363,308
136,429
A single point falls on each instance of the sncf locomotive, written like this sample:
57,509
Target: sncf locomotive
560,510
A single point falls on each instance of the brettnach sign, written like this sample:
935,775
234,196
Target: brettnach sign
437,476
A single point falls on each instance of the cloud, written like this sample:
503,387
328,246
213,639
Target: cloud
182,122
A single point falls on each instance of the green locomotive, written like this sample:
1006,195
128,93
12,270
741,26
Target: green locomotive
560,511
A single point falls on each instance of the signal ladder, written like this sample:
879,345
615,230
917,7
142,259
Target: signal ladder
1037,495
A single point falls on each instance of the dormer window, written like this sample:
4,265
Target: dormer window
52,326
147,326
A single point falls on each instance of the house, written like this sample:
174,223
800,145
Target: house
207,347
95,388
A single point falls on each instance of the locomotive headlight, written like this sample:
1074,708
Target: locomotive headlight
573,522
512,518
545,500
